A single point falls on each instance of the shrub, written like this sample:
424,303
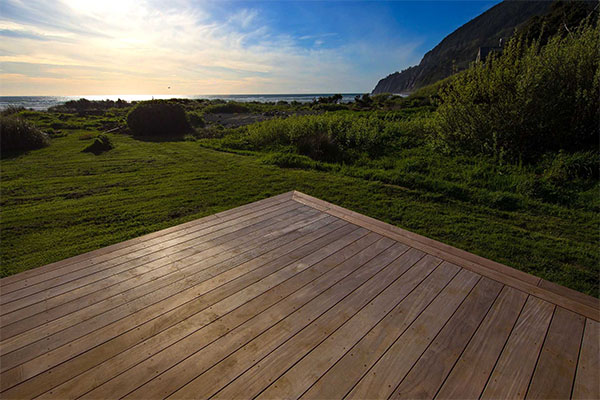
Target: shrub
17,134
100,145
528,101
196,120
158,118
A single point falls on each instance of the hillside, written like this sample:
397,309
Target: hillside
458,49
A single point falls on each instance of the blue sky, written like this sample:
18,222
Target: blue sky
94,47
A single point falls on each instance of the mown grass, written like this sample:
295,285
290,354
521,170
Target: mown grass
57,202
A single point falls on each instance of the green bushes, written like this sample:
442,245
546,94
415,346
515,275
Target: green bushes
158,118
328,137
529,101
17,134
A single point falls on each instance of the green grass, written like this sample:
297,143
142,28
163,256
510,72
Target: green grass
57,202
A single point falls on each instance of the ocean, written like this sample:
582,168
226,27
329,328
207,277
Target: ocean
44,102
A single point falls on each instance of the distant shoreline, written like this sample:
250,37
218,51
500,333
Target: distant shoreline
44,102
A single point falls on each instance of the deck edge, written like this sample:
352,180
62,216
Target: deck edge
560,295
130,242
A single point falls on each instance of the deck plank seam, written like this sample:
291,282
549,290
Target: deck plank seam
589,309
308,301
440,331
150,236
182,305
340,326
399,333
129,279
578,357
114,322
504,346
223,246
257,220
324,312
372,327
470,340
541,351
290,263
70,315
374,362
436,335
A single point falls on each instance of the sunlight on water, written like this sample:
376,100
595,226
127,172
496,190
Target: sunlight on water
43,102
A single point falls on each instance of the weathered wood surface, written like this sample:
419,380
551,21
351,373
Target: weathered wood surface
292,297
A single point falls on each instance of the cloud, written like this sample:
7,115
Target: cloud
127,46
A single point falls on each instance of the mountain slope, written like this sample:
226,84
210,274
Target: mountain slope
458,49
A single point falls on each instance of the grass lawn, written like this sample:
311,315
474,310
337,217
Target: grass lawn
57,202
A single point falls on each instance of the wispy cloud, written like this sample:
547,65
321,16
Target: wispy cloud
126,46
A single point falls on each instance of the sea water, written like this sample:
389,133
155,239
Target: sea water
44,102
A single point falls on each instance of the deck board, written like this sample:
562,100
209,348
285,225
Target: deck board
292,297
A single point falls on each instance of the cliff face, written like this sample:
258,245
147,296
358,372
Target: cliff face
459,49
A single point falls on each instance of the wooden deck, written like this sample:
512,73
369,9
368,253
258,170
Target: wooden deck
292,297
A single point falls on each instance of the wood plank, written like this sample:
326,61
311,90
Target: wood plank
429,373
175,366
471,372
491,269
83,360
115,307
140,249
117,279
583,298
229,317
182,246
141,239
555,370
331,342
381,380
340,379
512,374
415,238
587,378
159,278
198,297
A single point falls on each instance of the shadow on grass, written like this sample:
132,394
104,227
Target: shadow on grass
159,138
9,155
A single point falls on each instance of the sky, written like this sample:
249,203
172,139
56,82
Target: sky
193,47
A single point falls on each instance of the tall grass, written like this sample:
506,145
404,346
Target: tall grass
16,134
338,137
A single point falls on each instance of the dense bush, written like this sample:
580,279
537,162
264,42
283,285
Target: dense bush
528,101
17,134
158,118
328,137
196,119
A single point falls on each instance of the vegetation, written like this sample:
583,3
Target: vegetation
142,186
16,134
227,108
158,118
529,101
459,49
532,20
483,161
101,144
